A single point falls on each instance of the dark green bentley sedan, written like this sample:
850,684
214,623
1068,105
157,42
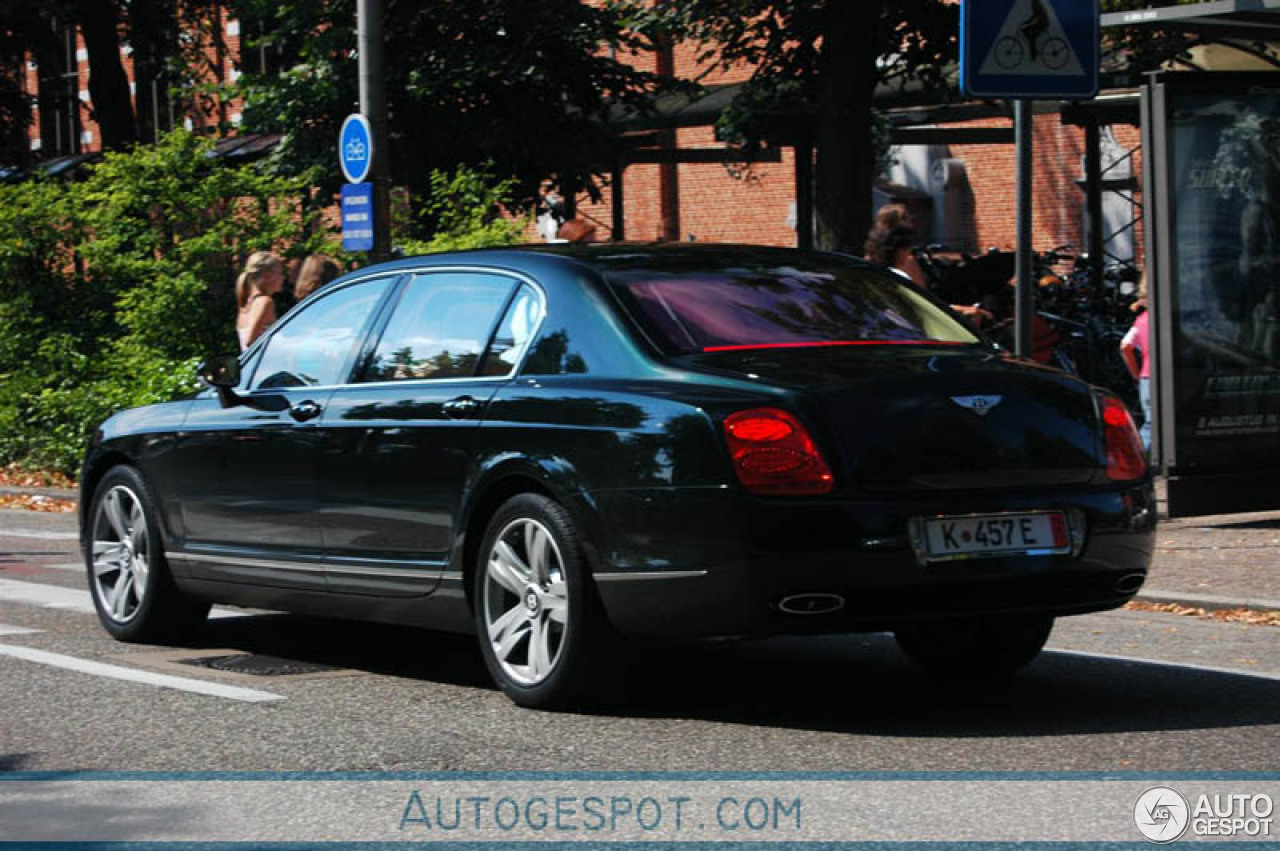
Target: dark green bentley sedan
561,448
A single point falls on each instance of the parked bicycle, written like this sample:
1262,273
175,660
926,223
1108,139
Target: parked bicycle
1077,324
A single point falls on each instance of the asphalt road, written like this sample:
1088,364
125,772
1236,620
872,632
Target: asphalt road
1118,691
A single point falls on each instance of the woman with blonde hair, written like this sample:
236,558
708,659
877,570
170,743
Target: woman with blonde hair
263,277
317,270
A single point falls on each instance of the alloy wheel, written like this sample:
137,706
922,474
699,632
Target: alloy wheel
526,601
121,554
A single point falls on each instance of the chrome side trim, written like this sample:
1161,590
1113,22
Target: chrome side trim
419,570
653,574
451,576
425,572
304,566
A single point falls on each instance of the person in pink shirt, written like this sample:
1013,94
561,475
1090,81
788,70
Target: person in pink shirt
1137,343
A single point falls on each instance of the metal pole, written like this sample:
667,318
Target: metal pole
1022,117
1093,198
618,185
373,105
804,194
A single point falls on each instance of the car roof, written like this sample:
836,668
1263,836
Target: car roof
610,257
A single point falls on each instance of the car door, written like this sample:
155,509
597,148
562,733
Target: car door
249,492
400,443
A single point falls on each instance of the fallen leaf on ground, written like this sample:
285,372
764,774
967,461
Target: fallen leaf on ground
29,502
13,476
1252,617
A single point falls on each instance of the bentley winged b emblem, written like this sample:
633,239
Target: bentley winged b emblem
980,405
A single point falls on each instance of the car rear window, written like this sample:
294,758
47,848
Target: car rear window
774,305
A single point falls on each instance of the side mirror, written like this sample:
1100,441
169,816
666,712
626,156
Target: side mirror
220,371
223,374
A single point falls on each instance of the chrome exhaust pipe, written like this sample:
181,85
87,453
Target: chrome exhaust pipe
811,604
1130,583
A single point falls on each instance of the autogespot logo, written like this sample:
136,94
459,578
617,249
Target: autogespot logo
1161,814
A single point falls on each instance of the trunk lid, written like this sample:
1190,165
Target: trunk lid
910,418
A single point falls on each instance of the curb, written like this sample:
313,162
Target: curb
51,493
1208,602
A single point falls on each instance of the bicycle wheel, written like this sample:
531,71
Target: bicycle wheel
1009,52
1055,53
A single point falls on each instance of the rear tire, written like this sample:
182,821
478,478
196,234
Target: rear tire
542,630
129,579
975,648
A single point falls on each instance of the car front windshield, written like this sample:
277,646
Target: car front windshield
782,305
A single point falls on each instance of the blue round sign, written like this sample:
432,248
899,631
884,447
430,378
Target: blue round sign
355,148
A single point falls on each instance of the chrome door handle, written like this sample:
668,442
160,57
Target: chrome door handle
305,410
462,407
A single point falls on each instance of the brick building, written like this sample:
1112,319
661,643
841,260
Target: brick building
58,82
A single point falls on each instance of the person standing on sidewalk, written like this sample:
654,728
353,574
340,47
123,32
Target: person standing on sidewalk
317,270
1137,343
262,278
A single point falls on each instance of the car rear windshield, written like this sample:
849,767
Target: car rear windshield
782,305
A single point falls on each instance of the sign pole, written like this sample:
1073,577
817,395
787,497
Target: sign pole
1023,293
1027,50
373,105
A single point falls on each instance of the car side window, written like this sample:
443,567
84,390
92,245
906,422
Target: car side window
440,327
513,334
315,347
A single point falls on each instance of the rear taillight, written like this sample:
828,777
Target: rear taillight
773,454
1126,459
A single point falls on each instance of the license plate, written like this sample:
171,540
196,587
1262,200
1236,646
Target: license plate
977,535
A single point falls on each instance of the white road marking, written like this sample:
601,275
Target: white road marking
71,565
6,629
36,533
46,596
85,666
75,599
1190,666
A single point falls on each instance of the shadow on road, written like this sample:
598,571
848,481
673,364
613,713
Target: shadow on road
1266,523
856,684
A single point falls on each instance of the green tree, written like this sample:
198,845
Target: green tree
822,59
466,208
111,288
525,86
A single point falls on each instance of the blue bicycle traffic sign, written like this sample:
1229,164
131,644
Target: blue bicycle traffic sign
1032,49
355,148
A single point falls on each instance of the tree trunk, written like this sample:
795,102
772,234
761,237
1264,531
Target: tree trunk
847,78
108,84
153,32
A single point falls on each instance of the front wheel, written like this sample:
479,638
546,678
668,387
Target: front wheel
542,631
129,579
975,648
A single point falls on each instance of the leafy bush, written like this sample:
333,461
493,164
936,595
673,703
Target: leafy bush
467,208
112,288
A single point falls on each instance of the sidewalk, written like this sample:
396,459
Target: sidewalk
1226,561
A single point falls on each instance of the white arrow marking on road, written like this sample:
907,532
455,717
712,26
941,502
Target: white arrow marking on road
71,663
73,599
6,629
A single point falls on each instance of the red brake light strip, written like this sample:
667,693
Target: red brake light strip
817,343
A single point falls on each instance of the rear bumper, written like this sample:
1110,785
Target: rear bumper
713,562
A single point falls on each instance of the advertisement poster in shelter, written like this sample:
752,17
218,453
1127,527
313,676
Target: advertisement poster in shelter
1225,170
